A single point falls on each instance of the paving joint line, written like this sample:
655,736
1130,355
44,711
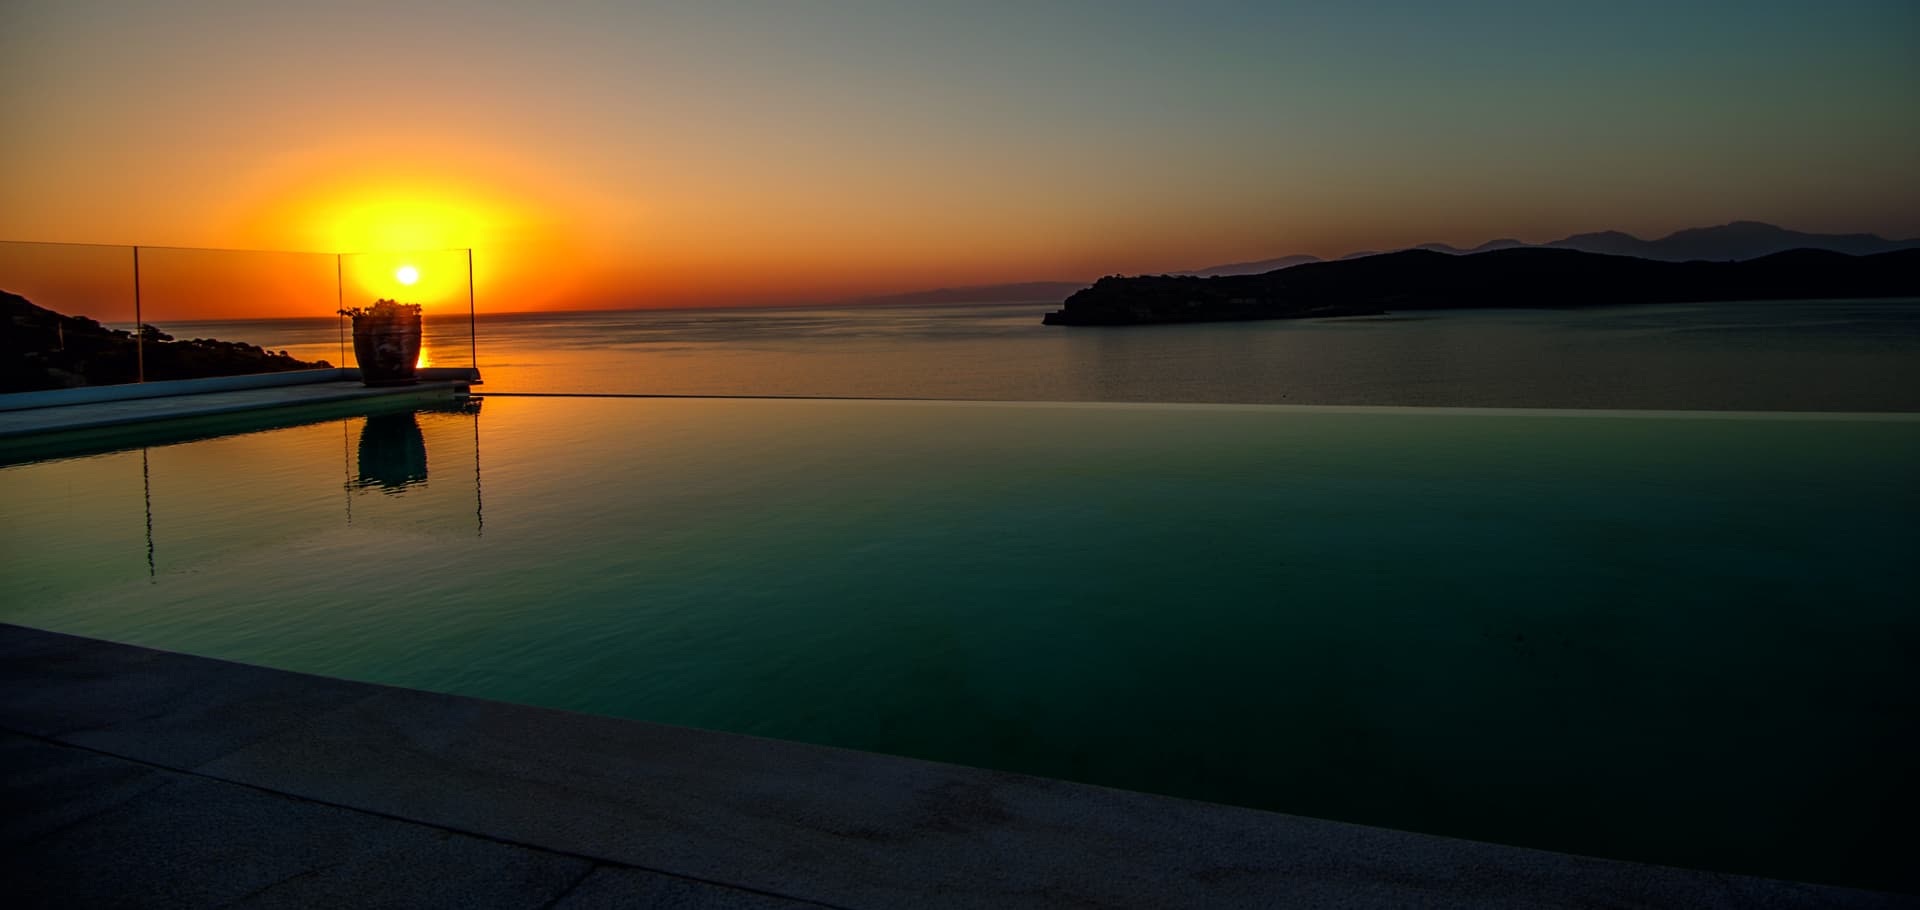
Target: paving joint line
490,838
572,886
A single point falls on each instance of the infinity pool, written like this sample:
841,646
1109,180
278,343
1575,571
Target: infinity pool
1688,639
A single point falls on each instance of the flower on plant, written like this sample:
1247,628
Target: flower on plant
383,309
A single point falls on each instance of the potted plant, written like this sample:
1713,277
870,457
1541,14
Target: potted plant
386,342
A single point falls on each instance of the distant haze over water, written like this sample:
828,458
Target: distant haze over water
1777,355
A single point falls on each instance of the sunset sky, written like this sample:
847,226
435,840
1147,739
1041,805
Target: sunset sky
630,154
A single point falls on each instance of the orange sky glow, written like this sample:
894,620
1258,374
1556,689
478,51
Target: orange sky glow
643,155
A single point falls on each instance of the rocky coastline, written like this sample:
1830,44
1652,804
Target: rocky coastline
41,349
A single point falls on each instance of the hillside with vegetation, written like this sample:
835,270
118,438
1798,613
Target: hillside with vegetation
41,349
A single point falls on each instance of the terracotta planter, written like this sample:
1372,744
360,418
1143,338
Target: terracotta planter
387,348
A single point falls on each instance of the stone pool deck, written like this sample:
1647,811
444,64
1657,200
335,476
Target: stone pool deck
136,777
95,408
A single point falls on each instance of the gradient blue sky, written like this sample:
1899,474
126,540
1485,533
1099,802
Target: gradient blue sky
727,151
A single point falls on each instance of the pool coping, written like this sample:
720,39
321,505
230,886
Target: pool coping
135,406
136,770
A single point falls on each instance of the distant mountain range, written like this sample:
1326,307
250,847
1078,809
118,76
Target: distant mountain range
1739,241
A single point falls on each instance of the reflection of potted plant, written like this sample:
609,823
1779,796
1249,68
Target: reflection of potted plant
386,341
393,452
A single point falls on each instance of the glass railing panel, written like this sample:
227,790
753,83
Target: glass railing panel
438,281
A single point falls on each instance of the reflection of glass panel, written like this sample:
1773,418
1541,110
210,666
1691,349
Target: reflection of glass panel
393,452
385,455
175,506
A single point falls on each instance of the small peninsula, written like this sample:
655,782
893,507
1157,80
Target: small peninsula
1507,278
41,349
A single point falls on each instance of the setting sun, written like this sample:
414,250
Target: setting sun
407,275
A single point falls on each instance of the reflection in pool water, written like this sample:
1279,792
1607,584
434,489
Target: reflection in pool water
391,459
393,452
1677,638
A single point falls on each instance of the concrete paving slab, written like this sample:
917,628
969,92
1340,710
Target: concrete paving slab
855,829
613,888
788,821
193,842
45,787
78,831
168,709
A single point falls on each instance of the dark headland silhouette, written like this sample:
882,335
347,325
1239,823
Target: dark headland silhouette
1738,240
1518,277
42,349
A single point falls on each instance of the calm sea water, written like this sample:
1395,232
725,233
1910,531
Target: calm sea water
1777,355
1683,639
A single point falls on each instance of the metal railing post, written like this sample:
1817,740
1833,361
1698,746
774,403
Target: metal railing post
340,305
139,325
473,335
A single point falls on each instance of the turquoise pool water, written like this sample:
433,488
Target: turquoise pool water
1678,638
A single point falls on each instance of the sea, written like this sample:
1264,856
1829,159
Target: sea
1803,355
